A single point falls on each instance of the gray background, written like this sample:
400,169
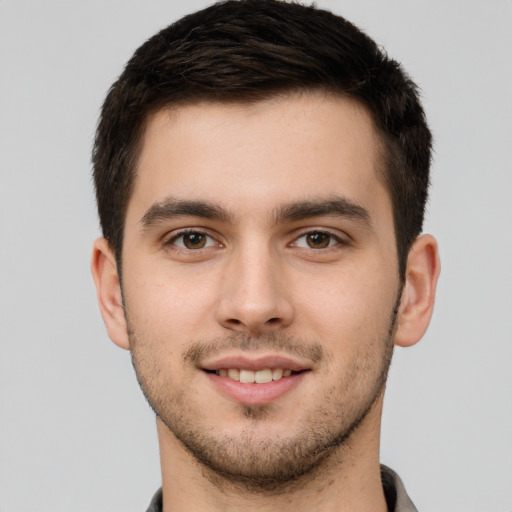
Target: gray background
75,432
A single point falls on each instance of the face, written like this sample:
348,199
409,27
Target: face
260,280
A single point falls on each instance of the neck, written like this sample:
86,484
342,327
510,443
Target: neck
346,480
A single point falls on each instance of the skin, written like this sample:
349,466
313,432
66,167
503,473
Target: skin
273,274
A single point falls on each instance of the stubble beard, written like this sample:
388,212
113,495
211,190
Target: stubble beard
275,463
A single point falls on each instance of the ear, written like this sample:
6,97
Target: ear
418,294
108,290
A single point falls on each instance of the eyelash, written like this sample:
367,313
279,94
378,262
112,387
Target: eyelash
333,240
172,240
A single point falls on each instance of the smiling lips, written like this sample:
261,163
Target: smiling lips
255,381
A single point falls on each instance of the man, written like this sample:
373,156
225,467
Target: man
261,170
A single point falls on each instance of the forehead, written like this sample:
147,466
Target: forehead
254,156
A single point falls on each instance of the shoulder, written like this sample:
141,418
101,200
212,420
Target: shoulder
394,490
156,502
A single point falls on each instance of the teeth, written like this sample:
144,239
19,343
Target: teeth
249,376
246,376
263,376
234,374
277,373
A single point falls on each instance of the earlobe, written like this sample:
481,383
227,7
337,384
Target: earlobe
418,295
108,291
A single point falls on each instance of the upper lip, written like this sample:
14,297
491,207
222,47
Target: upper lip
254,362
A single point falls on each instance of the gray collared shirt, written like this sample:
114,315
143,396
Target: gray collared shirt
394,490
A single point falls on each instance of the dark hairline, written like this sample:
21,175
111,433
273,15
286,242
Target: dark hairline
381,139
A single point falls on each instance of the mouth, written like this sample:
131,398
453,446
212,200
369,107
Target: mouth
257,380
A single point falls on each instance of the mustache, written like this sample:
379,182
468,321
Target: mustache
311,350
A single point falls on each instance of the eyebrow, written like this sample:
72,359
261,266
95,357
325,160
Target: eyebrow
170,208
336,206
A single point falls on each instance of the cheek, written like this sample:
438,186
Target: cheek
166,301
349,307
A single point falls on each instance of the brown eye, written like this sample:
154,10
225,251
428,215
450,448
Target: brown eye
318,240
194,240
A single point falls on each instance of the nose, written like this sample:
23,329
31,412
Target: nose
254,298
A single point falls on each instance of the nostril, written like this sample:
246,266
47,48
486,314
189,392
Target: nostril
253,323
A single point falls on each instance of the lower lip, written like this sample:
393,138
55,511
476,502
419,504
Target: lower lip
255,394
